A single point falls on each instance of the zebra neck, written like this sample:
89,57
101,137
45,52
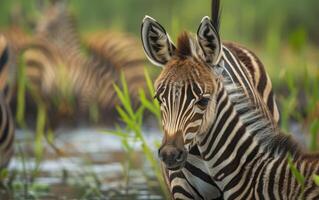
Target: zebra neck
231,69
235,121
239,136
237,129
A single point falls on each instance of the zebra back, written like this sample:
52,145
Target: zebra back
75,83
50,81
253,68
231,67
42,60
115,53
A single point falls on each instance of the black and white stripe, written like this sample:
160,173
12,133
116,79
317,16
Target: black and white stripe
256,73
6,121
244,156
235,70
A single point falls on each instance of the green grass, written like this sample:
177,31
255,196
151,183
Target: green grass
133,119
297,175
316,179
314,131
21,85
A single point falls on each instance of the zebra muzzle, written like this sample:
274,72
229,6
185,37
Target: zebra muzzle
173,157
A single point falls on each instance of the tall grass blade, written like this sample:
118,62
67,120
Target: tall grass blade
298,176
21,88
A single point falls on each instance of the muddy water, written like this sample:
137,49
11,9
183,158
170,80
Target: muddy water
87,164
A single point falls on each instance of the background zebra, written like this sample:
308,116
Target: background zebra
240,146
75,76
17,40
6,122
236,63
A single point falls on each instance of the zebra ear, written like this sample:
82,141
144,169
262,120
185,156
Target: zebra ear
156,42
209,41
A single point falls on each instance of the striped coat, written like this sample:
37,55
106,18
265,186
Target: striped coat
243,68
240,147
6,121
74,82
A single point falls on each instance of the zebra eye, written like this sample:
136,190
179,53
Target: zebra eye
203,102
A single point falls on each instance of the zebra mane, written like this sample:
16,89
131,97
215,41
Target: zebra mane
184,47
270,138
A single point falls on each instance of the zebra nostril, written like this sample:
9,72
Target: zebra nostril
180,156
173,157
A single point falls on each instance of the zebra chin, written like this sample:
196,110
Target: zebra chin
176,168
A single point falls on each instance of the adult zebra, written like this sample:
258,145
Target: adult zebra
236,63
6,121
78,84
69,90
239,145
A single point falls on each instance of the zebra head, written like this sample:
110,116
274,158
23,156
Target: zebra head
186,86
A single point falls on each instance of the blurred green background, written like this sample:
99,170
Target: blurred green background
279,31
247,21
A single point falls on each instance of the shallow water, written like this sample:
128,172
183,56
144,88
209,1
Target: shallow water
92,165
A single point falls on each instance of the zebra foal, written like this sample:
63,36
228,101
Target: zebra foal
243,152
236,63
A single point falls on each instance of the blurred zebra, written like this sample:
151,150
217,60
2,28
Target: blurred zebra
74,74
6,122
72,92
17,40
58,26
112,54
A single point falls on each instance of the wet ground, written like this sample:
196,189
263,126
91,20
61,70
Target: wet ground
89,165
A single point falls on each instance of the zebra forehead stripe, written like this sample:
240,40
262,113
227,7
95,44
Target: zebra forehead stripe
178,105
